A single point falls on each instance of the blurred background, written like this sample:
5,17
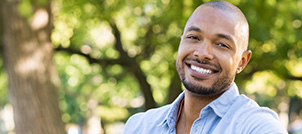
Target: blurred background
86,66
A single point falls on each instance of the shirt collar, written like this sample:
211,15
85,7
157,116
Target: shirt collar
171,116
220,106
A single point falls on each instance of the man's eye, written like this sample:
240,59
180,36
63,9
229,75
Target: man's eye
193,37
223,45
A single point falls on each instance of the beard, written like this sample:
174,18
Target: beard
219,85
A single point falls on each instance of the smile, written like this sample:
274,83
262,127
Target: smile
201,70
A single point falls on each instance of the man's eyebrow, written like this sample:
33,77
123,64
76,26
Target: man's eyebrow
193,28
227,37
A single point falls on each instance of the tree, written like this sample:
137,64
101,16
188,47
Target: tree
116,52
26,27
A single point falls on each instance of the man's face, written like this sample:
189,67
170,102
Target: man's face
210,51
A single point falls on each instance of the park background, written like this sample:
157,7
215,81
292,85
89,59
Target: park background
86,66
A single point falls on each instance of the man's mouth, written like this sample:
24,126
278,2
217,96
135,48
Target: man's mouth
204,69
201,70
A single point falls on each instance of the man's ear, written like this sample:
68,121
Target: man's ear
245,58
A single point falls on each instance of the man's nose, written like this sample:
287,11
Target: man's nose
204,51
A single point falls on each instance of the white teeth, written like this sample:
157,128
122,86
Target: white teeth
201,70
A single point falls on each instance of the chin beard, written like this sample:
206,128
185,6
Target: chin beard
218,86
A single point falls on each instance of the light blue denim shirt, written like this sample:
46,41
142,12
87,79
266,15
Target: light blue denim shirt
231,113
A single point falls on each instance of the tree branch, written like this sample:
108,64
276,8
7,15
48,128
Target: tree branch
124,60
134,67
294,78
103,62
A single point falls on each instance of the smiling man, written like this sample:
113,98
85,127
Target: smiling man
213,49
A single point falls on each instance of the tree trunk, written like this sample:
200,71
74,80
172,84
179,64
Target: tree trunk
31,74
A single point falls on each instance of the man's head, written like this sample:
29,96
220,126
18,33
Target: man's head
213,48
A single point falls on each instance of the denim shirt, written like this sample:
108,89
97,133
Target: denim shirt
230,113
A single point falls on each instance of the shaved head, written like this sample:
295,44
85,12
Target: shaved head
223,5
243,31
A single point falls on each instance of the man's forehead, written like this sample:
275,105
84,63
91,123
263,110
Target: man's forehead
212,16
212,11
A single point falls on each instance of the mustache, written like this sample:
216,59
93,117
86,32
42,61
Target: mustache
205,62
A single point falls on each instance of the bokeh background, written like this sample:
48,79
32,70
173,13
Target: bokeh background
110,59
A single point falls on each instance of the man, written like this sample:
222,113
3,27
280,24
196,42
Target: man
213,49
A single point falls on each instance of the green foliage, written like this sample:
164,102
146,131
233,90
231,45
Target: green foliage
150,34
82,82
275,27
3,85
25,8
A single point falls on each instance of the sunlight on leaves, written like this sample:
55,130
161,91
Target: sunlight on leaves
112,53
150,9
72,81
174,30
146,65
89,8
102,36
295,88
263,83
158,96
137,102
269,46
297,23
279,22
3,87
25,8
62,33
112,113
115,69
294,66
271,2
66,117
71,70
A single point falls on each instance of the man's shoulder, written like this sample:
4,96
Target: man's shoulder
248,107
144,121
252,118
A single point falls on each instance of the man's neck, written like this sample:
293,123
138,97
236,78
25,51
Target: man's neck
193,104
